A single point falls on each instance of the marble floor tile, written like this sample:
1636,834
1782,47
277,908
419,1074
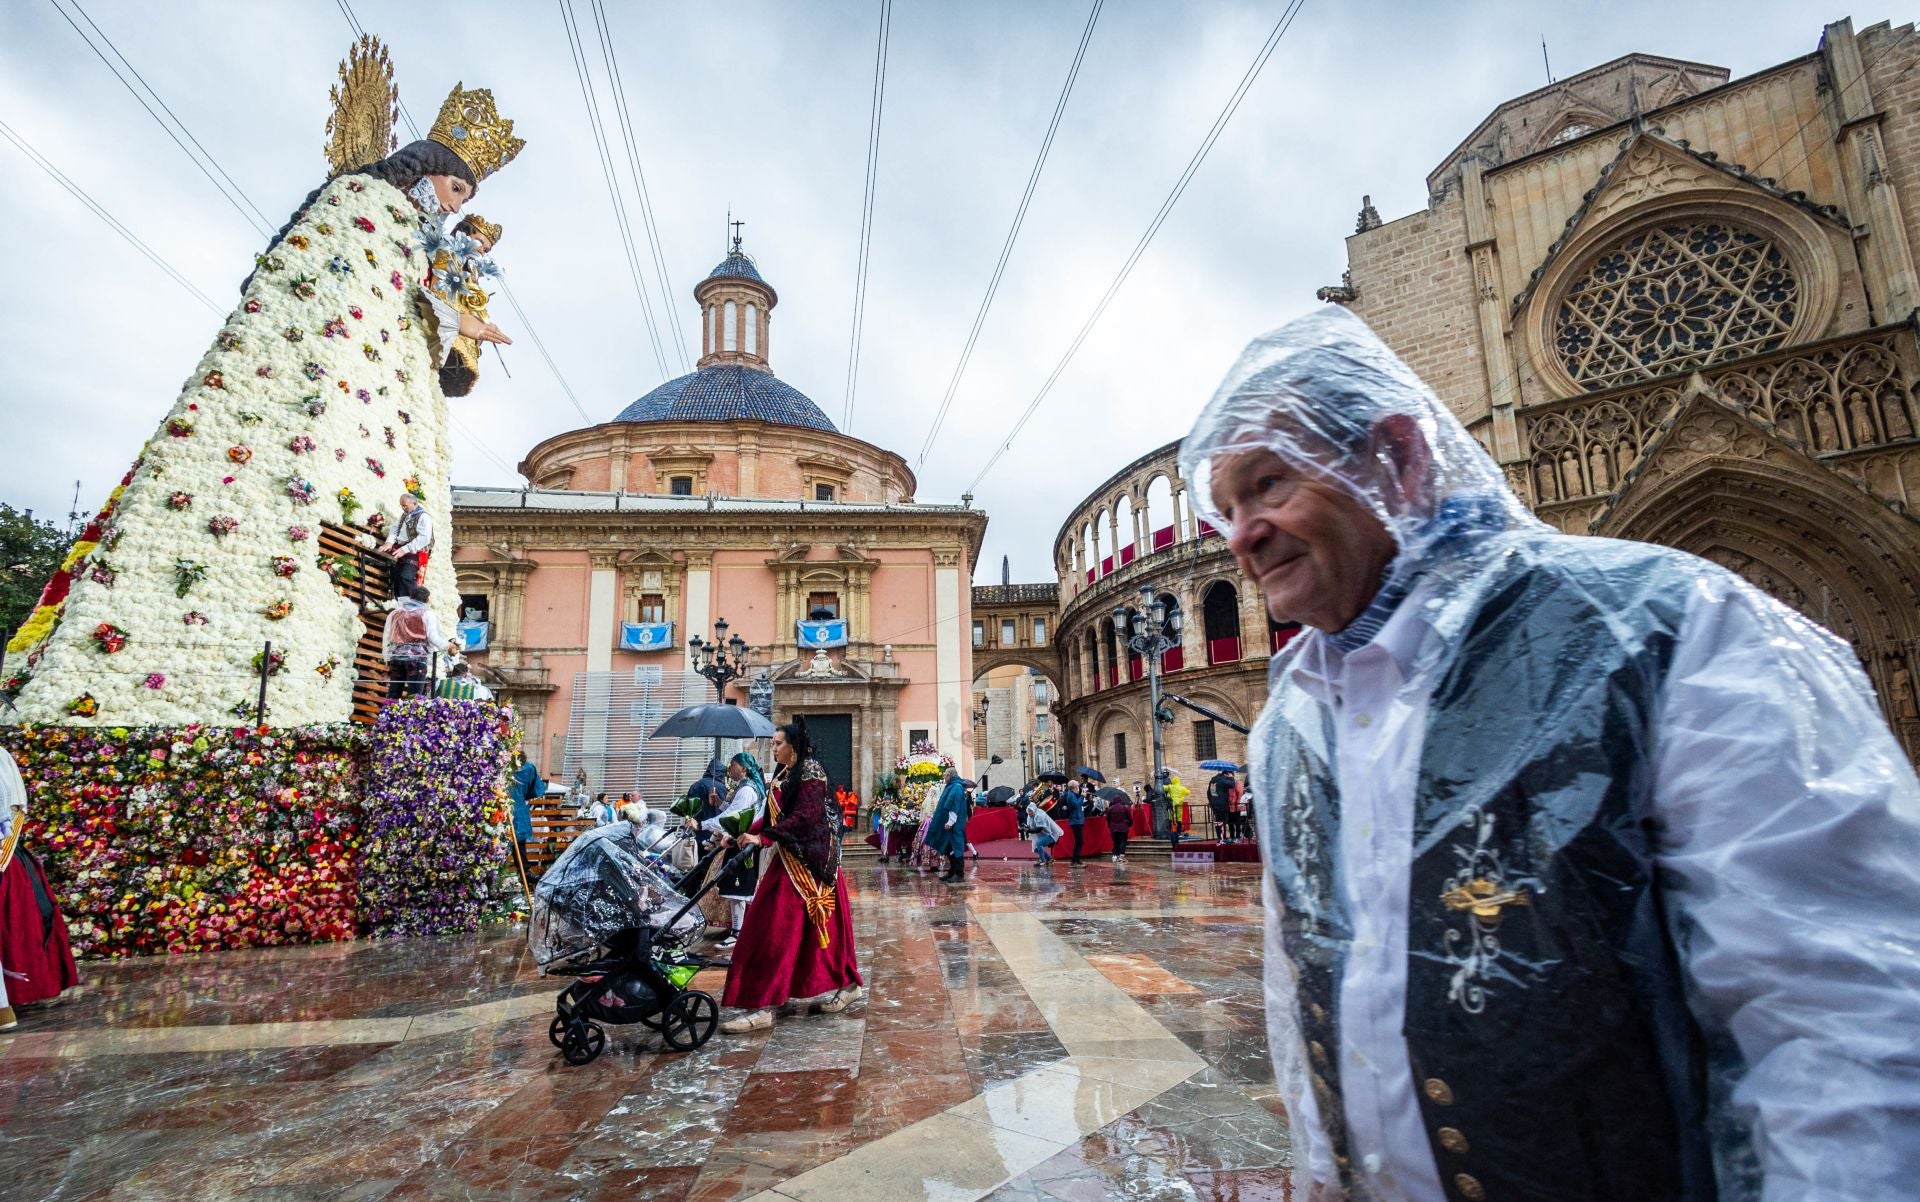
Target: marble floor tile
1094,1035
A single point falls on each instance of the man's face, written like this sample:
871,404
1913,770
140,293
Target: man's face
1316,552
407,502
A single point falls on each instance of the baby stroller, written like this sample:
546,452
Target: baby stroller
605,915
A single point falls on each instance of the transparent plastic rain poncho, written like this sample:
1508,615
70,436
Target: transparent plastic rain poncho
602,884
1766,822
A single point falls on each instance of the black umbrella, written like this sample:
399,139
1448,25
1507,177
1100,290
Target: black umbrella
1053,778
1095,773
999,795
1113,794
715,721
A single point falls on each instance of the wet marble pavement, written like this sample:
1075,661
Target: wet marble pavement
1075,1034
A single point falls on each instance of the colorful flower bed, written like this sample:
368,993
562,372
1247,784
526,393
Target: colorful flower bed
436,858
205,838
194,839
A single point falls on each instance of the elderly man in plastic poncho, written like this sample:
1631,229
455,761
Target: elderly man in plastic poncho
1592,871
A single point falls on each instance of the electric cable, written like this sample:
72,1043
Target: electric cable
261,225
1013,234
866,211
39,160
621,222
652,231
1253,71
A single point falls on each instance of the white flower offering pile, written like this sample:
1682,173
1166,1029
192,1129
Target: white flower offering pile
318,401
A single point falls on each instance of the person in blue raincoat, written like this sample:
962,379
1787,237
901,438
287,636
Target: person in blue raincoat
522,789
947,830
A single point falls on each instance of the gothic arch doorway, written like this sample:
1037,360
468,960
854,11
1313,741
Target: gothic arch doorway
1809,538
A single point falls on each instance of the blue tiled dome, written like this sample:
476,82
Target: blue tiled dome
727,392
736,266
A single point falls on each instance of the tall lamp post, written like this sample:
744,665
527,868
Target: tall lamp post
721,660
1150,634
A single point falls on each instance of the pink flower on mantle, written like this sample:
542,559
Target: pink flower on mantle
156,680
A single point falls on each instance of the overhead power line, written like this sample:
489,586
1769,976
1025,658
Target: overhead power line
1140,248
621,222
80,195
256,219
540,345
652,231
1013,234
866,210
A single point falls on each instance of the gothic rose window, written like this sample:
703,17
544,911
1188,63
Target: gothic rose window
1678,295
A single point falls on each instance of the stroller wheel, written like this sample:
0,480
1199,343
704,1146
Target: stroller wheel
556,1030
690,1020
582,1043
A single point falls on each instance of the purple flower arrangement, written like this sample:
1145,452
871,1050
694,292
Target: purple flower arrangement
435,826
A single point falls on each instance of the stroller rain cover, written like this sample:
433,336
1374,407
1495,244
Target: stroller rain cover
599,886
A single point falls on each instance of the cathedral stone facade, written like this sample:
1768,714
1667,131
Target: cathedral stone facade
1679,307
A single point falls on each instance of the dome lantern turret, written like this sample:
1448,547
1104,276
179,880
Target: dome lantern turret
736,307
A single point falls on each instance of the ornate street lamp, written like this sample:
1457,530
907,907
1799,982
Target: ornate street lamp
722,661
1150,634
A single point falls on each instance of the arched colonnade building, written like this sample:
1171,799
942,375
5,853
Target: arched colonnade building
1138,528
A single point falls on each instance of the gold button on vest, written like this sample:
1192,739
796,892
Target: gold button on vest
1453,1141
1469,1187
1438,1091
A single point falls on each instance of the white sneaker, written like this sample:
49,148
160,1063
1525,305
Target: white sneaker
758,1020
728,942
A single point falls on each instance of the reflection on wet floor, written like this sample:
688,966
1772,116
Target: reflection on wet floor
1086,1034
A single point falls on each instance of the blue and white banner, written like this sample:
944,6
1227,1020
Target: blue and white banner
646,636
472,636
823,634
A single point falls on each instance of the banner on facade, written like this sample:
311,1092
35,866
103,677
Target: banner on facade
472,636
646,636
823,634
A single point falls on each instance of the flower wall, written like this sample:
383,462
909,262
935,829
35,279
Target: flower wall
194,839
437,855
209,838
317,400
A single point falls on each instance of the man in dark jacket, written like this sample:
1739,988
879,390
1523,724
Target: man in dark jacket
1219,797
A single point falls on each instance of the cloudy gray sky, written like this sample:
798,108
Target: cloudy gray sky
763,107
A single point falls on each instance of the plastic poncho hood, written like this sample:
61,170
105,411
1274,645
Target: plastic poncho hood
1315,392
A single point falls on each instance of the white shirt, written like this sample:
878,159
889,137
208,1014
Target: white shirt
1790,840
744,796
422,533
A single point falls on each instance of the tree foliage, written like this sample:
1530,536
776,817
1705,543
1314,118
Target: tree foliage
30,552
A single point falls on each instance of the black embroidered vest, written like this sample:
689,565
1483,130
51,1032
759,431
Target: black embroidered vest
1553,1052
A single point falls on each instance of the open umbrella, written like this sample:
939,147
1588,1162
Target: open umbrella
1094,773
1053,778
1220,765
715,721
1113,794
999,795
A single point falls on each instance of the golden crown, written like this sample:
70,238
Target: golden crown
475,223
471,127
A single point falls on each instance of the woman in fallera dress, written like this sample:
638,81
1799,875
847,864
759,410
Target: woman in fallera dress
796,945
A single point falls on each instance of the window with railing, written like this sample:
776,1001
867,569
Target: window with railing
1205,741
1119,749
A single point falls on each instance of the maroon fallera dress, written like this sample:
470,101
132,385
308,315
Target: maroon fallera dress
33,934
779,957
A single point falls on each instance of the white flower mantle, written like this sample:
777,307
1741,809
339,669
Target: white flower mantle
260,400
